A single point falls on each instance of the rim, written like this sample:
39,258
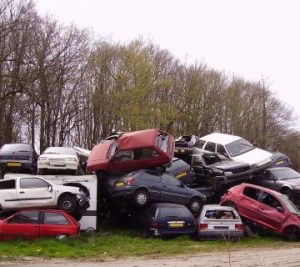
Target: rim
195,206
67,204
141,198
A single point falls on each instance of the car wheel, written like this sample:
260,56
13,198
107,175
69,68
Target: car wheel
145,233
292,233
141,198
289,193
67,203
195,205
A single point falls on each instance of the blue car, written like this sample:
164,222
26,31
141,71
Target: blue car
164,219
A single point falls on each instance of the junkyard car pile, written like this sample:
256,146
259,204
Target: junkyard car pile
158,185
21,192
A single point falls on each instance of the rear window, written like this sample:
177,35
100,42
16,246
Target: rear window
8,184
178,165
16,148
60,150
162,141
55,218
150,177
220,214
174,212
199,143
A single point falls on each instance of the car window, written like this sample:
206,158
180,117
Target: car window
269,200
268,175
162,141
33,183
170,180
251,192
16,148
55,218
124,155
172,212
144,153
60,150
221,150
9,184
210,147
219,214
239,147
25,217
199,143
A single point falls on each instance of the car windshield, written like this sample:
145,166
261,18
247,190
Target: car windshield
113,149
174,212
60,150
16,148
290,205
239,147
285,174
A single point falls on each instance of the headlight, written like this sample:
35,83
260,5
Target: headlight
70,159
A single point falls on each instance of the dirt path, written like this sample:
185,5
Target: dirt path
286,257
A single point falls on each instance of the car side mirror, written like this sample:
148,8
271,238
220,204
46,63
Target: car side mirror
50,188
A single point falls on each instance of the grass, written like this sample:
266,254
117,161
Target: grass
123,243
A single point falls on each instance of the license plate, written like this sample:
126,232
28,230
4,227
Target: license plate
119,184
57,164
14,164
176,225
221,227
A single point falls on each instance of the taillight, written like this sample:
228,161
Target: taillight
130,181
203,226
239,227
154,224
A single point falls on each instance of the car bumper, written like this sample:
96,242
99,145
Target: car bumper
16,165
58,165
169,232
213,235
125,193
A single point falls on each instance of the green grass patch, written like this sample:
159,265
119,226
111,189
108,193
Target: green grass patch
123,243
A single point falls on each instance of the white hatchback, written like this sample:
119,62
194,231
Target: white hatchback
236,148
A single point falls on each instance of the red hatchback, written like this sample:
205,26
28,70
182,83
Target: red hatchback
266,208
30,224
132,151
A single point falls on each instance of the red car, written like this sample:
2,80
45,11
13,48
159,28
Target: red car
266,208
30,224
132,151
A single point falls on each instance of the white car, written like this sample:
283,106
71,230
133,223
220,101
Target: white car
28,192
59,159
236,148
217,222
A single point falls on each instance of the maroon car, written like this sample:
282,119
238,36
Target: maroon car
266,208
30,224
132,151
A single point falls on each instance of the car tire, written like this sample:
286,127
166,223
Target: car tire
67,203
141,197
195,205
145,233
292,233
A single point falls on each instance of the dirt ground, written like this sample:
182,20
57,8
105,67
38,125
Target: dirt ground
284,257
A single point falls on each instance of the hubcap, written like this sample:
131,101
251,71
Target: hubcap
67,204
141,199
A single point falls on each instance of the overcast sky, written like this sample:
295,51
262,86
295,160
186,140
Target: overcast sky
253,39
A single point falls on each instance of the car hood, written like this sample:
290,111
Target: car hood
255,156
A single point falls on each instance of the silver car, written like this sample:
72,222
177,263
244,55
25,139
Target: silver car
217,222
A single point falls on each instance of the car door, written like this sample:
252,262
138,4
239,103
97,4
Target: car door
55,223
8,194
123,161
270,181
173,190
271,213
22,224
248,204
35,192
